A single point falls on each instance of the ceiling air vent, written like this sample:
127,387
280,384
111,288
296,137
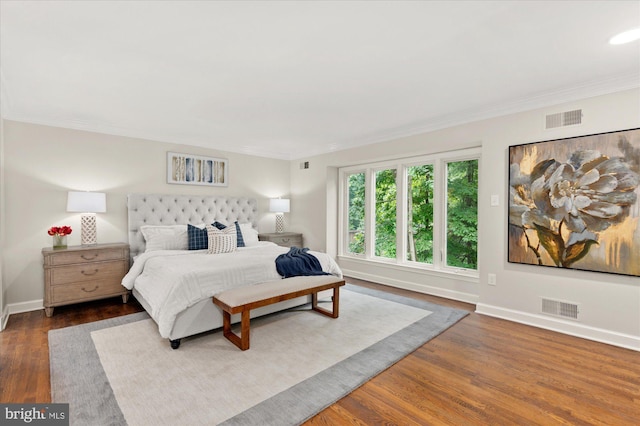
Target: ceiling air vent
561,119
560,309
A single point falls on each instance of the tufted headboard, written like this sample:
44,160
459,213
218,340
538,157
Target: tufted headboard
164,209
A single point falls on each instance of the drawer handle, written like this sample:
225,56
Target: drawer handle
285,240
85,257
89,291
95,271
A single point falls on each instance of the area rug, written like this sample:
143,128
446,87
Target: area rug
120,371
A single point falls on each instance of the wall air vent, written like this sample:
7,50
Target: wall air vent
560,309
562,119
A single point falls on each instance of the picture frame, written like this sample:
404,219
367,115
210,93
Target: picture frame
187,169
574,203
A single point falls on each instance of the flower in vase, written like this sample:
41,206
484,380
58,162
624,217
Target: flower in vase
61,231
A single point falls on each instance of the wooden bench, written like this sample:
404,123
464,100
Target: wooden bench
243,299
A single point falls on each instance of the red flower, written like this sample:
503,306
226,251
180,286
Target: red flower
59,230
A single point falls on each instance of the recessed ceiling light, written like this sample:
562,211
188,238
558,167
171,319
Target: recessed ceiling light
626,37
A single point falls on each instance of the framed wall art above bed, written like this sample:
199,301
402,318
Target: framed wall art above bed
189,169
575,203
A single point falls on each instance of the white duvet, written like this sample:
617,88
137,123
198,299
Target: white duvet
173,280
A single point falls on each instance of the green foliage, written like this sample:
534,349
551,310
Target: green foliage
420,179
462,214
386,213
356,213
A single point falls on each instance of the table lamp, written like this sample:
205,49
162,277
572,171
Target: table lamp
279,206
87,203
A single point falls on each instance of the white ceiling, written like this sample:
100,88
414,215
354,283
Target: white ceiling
294,79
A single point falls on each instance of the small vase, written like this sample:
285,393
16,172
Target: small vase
59,242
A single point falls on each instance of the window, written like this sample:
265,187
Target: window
462,214
420,212
385,235
355,212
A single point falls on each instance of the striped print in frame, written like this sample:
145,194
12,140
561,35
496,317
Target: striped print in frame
187,169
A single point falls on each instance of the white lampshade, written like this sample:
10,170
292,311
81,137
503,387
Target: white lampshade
279,205
86,202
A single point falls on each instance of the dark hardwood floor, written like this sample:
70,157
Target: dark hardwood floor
481,371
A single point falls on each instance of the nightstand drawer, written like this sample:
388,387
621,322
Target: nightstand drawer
85,290
87,272
284,239
71,257
287,241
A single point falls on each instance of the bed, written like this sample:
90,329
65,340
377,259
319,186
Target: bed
174,284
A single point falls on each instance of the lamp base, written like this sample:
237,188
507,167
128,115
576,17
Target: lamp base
279,223
88,229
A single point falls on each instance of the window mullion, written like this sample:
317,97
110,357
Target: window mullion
343,212
370,213
401,213
439,195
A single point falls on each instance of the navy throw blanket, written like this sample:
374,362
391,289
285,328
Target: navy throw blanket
298,262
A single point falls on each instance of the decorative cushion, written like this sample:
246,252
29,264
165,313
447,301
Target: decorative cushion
236,225
239,234
249,235
171,237
221,240
197,238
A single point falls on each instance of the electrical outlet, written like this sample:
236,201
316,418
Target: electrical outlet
491,279
495,200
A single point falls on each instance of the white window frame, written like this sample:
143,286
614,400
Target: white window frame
343,218
439,162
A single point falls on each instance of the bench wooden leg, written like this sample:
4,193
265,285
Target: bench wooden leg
241,341
336,304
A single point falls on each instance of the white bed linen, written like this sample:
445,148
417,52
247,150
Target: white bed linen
173,280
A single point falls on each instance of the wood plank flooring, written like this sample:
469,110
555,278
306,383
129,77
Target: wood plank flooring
481,371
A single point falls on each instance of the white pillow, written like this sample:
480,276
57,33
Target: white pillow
222,240
171,237
249,235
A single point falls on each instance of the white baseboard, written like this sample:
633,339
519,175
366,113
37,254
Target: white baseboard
32,305
562,326
17,308
4,318
418,288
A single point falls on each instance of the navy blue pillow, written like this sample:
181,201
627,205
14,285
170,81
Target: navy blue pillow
239,233
198,238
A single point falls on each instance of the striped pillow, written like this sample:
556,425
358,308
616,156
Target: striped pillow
222,240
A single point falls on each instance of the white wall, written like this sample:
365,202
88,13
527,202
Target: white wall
42,163
609,304
3,311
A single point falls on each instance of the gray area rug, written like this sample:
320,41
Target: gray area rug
78,377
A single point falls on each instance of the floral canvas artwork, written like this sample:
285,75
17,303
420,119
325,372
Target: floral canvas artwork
574,203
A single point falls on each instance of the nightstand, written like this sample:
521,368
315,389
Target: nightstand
285,239
82,273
